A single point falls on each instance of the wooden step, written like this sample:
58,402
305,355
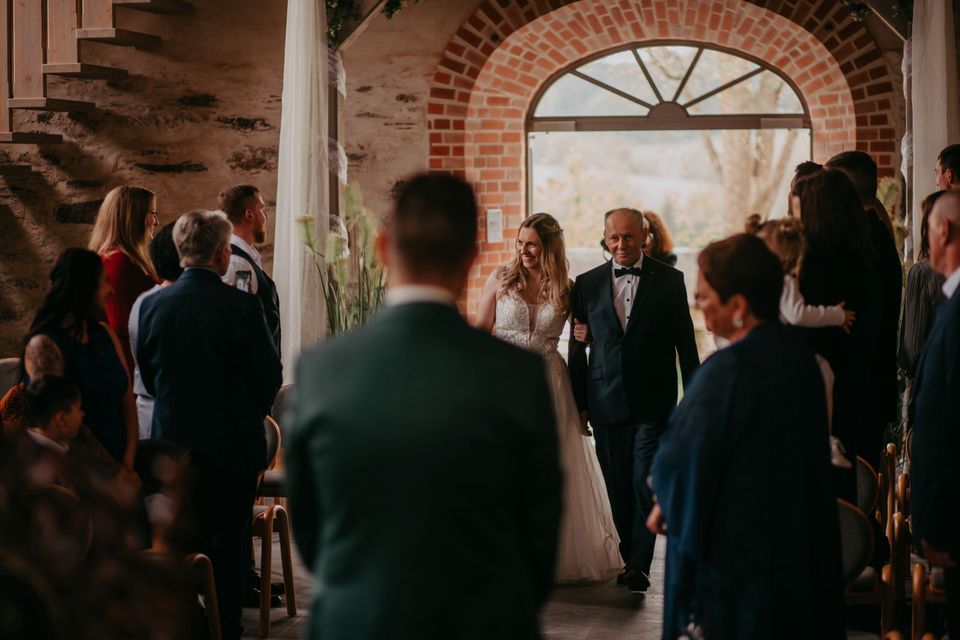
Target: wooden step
84,70
119,37
50,104
156,6
14,169
28,137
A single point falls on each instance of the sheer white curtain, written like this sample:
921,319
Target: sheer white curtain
934,95
302,179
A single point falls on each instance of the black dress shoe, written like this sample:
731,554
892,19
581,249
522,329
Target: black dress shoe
251,598
639,582
624,575
254,580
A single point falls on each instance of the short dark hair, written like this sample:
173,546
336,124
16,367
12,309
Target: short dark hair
949,158
45,396
163,254
234,200
743,264
862,171
434,223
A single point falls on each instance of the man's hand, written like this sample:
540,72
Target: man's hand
581,332
584,429
937,557
655,523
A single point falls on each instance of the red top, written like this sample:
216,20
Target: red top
128,281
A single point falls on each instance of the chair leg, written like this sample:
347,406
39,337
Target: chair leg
886,604
266,570
203,575
289,590
918,624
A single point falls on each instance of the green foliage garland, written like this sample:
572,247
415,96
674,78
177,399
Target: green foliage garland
340,11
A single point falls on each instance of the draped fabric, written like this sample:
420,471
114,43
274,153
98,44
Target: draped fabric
302,180
935,94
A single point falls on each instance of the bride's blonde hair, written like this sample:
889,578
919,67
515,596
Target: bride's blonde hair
553,262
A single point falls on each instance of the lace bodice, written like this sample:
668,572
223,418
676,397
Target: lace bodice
514,324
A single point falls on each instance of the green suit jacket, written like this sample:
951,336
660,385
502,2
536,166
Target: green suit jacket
424,481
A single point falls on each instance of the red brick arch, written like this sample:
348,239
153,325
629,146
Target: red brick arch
493,67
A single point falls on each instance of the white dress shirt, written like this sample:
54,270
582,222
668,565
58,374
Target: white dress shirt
408,294
950,284
144,399
624,290
238,263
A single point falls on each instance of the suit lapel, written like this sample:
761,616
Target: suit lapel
644,287
607,287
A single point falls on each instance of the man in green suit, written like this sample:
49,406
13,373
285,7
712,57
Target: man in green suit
422,458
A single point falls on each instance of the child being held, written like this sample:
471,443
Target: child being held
52,412
784,237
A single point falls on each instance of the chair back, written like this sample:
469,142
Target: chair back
887,488
280,403
856,541
867,487
272,432
9,373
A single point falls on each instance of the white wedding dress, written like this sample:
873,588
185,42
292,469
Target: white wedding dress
588,549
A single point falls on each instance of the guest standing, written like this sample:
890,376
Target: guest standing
422,460
246,210
659,244
742,474
125,224
166,260
947,169
935,476
207,357
921,298
91,351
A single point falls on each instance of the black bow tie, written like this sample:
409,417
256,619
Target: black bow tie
627,271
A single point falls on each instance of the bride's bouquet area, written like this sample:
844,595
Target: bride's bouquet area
353,278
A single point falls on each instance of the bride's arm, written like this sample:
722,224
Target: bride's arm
487,309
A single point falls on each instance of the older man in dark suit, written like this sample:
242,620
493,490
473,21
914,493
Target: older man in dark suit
206,355
637,323
935,476
423,461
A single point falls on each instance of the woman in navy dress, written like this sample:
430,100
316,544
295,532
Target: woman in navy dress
742,473
92,354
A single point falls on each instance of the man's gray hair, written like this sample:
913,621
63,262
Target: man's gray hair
199,235
641,219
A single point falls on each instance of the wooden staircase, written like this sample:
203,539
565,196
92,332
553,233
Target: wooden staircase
42,38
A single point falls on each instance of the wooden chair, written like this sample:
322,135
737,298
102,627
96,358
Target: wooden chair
928,588
202,570
862,584
274,481
268,519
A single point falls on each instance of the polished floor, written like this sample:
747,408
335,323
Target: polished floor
589,612
581,612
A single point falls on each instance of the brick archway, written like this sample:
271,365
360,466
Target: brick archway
494,65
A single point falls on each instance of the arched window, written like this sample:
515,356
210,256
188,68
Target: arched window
701,135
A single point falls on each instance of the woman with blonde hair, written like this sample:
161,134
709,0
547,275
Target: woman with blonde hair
527,302
659,244
124,226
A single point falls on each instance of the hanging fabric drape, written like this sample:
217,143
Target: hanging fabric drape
302,180
935,94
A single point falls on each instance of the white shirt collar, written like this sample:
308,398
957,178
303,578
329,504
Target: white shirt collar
247,249
41,439
638,264
951,284
406,294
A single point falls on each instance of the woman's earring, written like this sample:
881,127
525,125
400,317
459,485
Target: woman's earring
738,322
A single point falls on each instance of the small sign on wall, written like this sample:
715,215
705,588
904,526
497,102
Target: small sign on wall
494,225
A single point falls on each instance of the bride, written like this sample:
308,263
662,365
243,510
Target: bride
526,303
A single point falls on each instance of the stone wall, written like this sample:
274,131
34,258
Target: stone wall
197,113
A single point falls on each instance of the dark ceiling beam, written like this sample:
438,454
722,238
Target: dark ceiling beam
887,11
353,28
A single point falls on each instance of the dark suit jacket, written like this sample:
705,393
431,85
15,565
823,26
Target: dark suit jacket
207,357
632,374
935,476
423,469
882,408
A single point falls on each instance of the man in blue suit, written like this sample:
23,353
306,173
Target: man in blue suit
638,320
206,355
935,492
